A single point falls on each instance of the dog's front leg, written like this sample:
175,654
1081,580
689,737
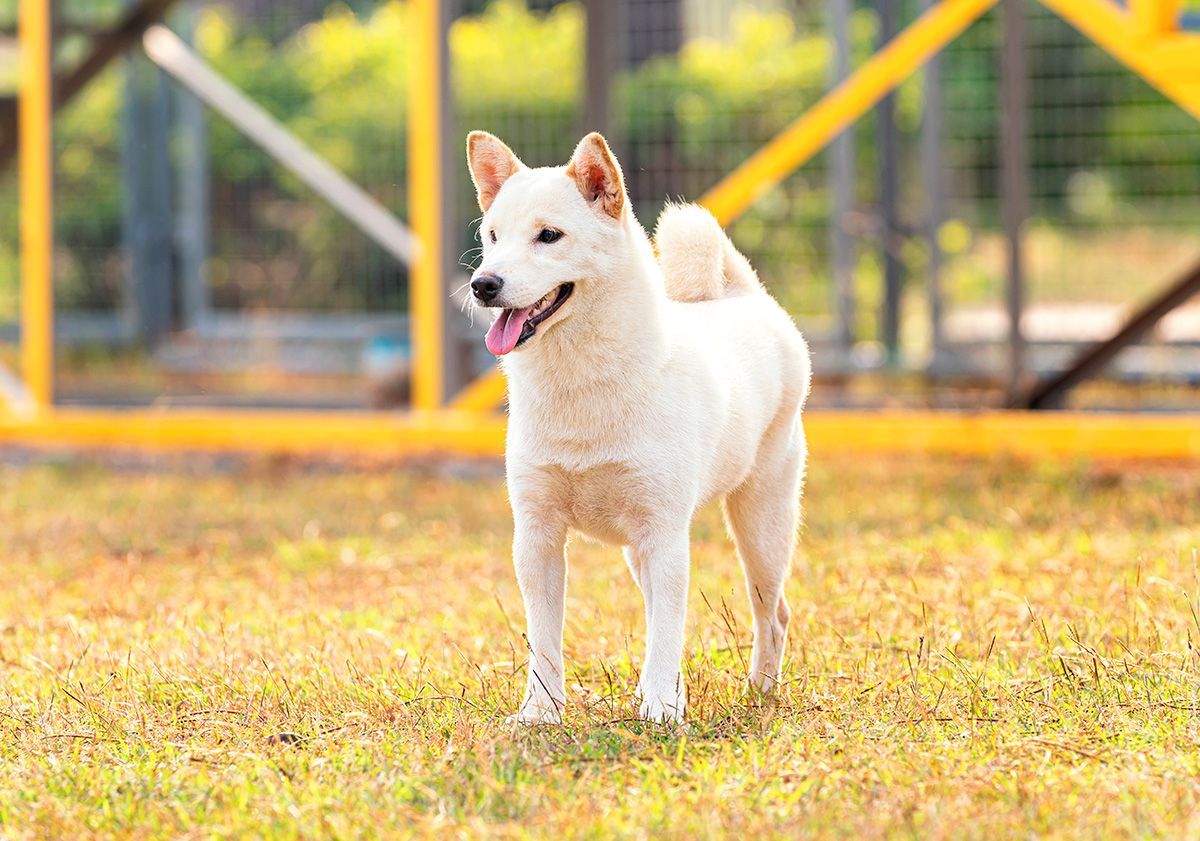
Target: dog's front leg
666,565
541,565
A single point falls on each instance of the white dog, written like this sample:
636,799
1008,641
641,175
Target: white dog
639,389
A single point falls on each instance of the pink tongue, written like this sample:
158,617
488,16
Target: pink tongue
506,330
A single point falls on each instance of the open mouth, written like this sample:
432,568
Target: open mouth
514,327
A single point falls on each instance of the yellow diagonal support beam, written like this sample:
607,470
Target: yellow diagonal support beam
484,394
1176,56
1156,16
1169,62
842,106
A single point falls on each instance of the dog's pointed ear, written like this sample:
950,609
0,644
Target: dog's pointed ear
491,164
597,174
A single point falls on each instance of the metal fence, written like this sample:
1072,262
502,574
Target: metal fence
189,263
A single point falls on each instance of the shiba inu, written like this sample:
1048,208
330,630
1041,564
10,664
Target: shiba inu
641,386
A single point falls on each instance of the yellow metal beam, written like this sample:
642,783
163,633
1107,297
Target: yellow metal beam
1155,16
841,106
1177,56
1169,62
426,291
366,434
1018,434
483,395
35,190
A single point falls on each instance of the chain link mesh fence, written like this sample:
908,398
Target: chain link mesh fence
188,262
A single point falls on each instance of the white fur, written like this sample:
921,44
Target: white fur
629,411
698,262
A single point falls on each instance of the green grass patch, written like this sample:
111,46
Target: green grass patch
979,649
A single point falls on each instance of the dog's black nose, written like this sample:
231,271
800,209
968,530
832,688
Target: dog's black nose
486,287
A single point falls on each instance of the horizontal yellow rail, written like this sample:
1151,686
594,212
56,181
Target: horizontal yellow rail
1020,434
842,106
219,430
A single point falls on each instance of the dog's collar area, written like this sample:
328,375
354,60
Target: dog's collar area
529,328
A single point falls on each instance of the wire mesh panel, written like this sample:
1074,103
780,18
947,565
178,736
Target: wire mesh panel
191,264
690,117
1114,198
693,89
335,78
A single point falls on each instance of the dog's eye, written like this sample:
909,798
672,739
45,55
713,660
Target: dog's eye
549,235
492,235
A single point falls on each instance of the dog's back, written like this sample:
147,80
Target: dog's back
697,259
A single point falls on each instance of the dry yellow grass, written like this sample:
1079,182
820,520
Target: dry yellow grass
978,650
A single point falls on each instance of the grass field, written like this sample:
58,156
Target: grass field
978,650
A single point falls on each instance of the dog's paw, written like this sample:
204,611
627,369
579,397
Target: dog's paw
664,707
535,711
762,685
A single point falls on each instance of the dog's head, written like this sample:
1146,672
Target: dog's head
546,234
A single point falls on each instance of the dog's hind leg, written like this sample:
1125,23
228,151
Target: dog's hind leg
641,577
763,515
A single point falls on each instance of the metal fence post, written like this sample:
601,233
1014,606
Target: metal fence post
841,177
192,193
649,28
146,181
1014,174
603,60
427,212
889,176
36,200
932,169
460,343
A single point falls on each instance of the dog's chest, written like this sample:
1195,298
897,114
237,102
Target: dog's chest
607,502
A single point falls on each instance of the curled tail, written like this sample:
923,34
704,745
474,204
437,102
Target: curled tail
696,257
